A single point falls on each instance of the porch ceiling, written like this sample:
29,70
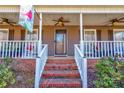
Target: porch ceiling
88,19
14,17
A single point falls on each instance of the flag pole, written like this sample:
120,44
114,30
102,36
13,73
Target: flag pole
40,34
37,14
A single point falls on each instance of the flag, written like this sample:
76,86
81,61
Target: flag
26,18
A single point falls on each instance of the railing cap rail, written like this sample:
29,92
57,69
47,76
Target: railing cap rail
45,46
76,46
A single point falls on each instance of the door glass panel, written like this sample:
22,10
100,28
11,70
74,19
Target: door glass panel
60,43
60,37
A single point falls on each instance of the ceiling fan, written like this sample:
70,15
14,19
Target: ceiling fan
60,21
115,21
7,21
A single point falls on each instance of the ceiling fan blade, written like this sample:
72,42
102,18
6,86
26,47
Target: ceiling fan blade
63,24
121,18
66,21
107,24
56,24
120,21
54,20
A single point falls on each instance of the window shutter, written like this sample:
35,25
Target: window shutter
98,33
11,34
22,34
110,35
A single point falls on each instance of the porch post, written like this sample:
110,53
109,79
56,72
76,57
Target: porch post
81,34
40,34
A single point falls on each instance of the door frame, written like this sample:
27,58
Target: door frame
65,29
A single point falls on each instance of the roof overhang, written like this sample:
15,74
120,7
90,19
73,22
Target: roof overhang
67,8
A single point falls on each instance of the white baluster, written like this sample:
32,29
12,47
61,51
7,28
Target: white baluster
9,48
3,49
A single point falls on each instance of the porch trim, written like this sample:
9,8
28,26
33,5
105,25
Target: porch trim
68,9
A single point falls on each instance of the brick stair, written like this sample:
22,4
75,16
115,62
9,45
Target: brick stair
61,73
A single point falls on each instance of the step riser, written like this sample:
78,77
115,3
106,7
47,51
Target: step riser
60,62
61,86
60,76
60,68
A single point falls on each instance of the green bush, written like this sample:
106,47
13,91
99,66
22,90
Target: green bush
7,76
110,73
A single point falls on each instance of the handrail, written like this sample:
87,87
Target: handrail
40,63
76,46
40,55
81,64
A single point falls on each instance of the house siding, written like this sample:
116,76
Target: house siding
72,38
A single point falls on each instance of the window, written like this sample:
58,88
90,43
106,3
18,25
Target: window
4,34
32,36
119,35
89,34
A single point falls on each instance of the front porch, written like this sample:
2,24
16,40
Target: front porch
99,38
85,37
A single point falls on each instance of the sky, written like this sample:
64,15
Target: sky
62,2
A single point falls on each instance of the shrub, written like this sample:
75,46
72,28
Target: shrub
110,73
7,76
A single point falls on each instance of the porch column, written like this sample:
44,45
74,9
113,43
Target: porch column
81,34
40,34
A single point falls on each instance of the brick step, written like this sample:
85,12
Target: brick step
61,83
61,74
60,67
61,61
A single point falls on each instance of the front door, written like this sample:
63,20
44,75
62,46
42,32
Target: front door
60,42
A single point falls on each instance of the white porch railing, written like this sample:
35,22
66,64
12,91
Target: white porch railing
82,65
40,63
97,49
18,49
